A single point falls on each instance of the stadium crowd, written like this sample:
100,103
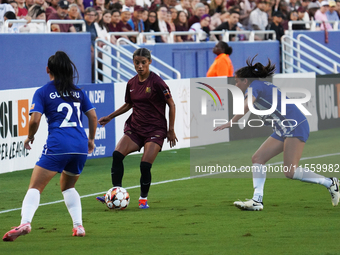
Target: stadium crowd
104,16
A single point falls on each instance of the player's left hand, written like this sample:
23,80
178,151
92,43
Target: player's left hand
90,145
27,142
222,127
171,137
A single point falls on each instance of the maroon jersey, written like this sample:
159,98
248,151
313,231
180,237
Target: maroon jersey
148,101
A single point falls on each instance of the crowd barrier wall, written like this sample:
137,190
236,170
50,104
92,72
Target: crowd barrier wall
23,57
193,60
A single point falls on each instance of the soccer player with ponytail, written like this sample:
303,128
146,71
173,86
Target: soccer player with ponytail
147,94
67,145
289,139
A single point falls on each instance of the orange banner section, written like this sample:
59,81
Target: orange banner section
23,117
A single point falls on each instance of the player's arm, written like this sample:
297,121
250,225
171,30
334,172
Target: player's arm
32,129
92,119
171,136
73,29
237,117
104,120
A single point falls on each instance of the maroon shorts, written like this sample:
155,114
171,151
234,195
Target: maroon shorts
140,140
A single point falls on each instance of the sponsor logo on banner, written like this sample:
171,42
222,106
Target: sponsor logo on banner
13,128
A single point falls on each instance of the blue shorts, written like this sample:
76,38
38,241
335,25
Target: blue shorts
301,132
73,163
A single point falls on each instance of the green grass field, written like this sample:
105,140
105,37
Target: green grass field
189,216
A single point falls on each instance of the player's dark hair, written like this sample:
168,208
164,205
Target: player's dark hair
64,72
256,70
226,48
143,52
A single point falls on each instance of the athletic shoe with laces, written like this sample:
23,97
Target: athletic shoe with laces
101,199
249,205
79,231
143,204
334,191
13,234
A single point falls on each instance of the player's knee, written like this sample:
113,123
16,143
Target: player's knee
256,159
117,157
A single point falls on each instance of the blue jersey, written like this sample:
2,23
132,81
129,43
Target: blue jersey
66,134
263,92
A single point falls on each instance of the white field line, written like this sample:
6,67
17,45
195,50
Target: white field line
168,181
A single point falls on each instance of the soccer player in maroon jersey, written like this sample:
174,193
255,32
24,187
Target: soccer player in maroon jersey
148,95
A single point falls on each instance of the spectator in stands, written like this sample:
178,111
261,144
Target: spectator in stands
88,3
101,4
15,7
199,12
90,17
169,19
102,27
170,3
320,15
151,24
216,6
99,13
136,21
52,8
312,8
42,3
12,27
230,24
332,15
130,4
276,26
293,5
203,28
115,20
3,9
258,19
155,5
145,15
35,12
338,7
144,3
22,11
162,24
61,14
246,7
29,4
173,12
283,7
74,14
222,65
184,5
181,24
192,8
294,16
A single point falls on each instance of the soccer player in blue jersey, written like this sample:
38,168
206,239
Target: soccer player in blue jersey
289,140
67,145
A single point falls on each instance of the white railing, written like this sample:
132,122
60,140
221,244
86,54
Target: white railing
12,21
291,56
107,57
69,21
333,53
313,24
179,33
140,38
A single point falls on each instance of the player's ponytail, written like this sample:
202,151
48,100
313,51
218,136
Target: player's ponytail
64,72
256,70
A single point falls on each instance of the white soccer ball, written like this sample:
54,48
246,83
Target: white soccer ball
117,198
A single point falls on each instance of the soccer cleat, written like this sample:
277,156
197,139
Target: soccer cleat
101,199
79,231
249,205
13,234
334,191
143,204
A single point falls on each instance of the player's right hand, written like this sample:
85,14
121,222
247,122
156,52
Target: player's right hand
27,141
104,120
90,145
